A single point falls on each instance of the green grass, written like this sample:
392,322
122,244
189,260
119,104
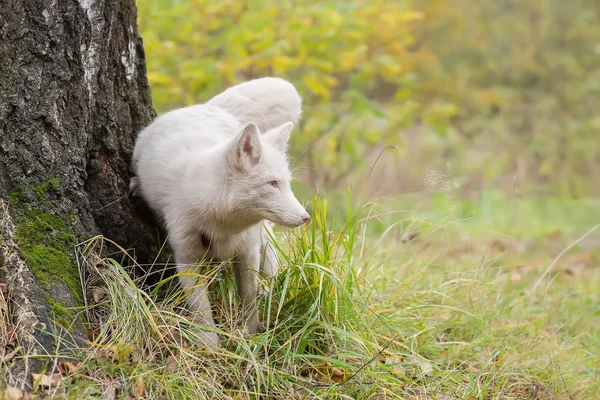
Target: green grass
445,300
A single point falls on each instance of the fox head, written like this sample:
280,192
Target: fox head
259,177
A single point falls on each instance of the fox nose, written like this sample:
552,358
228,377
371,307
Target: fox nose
305,218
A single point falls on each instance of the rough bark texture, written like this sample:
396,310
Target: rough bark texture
73,95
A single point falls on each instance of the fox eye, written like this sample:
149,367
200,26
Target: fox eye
273,183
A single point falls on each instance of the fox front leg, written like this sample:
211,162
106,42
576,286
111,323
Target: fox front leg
196,289
247,268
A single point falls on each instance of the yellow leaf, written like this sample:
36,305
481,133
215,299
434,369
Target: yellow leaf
330,80
245,62
272,12
122,352
157,77
331,142
227,71
316,86
346,60
390,71
489,96
389,19
409,16
335,19
281,63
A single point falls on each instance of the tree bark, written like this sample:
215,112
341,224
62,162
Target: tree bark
73,96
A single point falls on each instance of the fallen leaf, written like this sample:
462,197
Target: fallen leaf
318,371
111,390
140,387
586,258
97,294
321,374
426,367
337,375
575,269
67,368
325,373
396,363
13,393
123,352
171,364
10,356
299,392
58,393
47,380
104,355
409,237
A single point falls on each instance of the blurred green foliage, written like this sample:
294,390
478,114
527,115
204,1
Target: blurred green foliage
501,91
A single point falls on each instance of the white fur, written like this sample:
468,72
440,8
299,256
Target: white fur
206,171
268,102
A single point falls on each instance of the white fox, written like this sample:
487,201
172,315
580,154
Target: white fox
218,184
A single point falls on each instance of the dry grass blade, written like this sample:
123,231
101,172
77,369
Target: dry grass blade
560,255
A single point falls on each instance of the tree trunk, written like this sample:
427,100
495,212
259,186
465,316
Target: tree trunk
73,96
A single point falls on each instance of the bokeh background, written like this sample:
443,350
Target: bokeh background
476,95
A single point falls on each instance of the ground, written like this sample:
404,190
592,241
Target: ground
408,297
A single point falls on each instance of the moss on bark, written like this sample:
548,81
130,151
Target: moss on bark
46,240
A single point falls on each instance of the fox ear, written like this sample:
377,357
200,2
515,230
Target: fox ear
279,136
247,147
